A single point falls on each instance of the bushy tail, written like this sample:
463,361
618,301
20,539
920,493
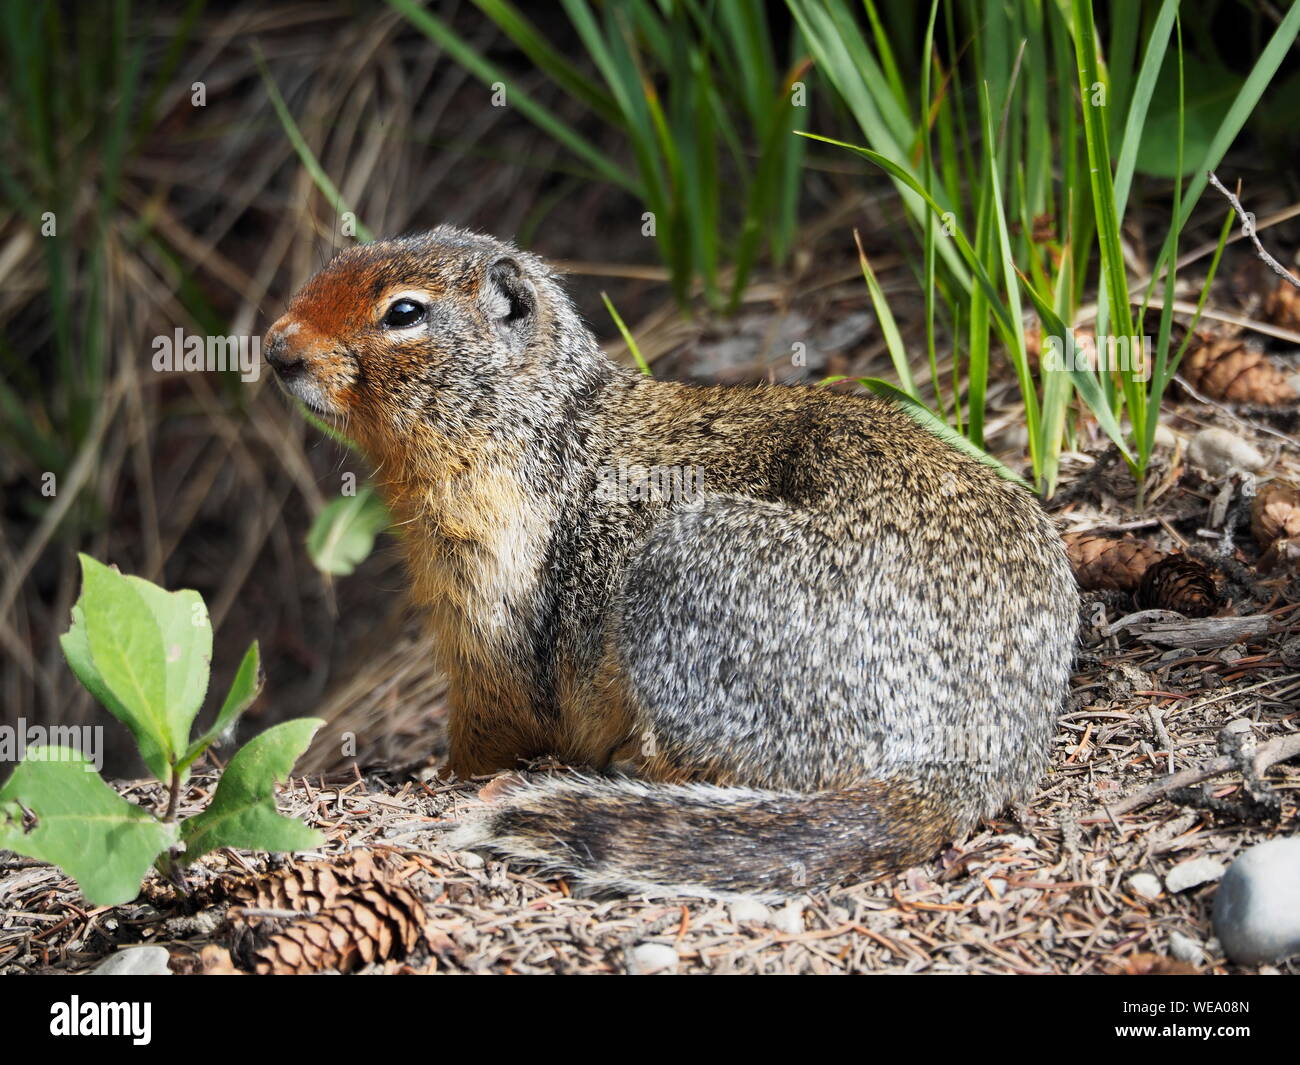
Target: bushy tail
631,837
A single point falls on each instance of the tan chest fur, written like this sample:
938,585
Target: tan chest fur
475,549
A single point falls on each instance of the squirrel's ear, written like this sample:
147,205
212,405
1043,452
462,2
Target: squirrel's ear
509,300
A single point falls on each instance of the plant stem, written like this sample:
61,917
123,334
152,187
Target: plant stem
173,796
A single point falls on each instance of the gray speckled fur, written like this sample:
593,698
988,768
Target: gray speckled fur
862,633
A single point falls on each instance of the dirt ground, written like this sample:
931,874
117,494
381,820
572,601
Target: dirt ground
1044,889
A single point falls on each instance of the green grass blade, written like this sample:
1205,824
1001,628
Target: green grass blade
305,155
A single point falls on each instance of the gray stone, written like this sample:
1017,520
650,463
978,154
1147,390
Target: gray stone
135,961
1145,884
1219,452
1192,874
750,911
1257,910
789,919
1185,948
647,958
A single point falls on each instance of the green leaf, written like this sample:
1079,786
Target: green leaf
343,534
145,654
888,326
242,812
305,155
243,690
1209,98
186,631
77,822
628,338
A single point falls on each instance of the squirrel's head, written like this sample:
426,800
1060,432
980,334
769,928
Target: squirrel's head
442,329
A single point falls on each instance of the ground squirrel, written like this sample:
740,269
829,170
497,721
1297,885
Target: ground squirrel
798,637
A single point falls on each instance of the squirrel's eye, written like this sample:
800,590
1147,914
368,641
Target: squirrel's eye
403,313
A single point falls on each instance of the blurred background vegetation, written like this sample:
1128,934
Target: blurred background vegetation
169,166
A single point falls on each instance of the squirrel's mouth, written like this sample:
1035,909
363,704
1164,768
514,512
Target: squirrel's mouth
304,387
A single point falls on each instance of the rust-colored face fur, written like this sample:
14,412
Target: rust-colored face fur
388,331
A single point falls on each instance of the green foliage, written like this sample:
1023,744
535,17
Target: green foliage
992,151
704,104
242,812
55,808
145,654
148,651
627,336
80,95
343,534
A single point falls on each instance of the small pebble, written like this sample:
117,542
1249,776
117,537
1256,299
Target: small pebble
1192,873
648,958
1219,452
1185,948
1019,843
135,961
469,860
1257,909
789,919
746,911
1165,438
1145,884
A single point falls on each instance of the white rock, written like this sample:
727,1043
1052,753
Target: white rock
1145,884
1185,948
746,911
1165,438
1257,909
1192,873
789,919
469,860
1219,452
647,958
135,961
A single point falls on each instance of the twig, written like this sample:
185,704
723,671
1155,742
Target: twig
1276,750
1248,230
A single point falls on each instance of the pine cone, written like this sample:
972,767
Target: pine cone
1275,513
1105,562
1283,306
1226,369
354,913
374,922
1179,583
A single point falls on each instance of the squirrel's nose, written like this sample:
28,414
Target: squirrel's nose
286,364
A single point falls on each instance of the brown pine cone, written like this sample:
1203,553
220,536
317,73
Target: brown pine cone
1275,513
1179,583
1283,306
353,911
1224,368
374,922
1105,562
